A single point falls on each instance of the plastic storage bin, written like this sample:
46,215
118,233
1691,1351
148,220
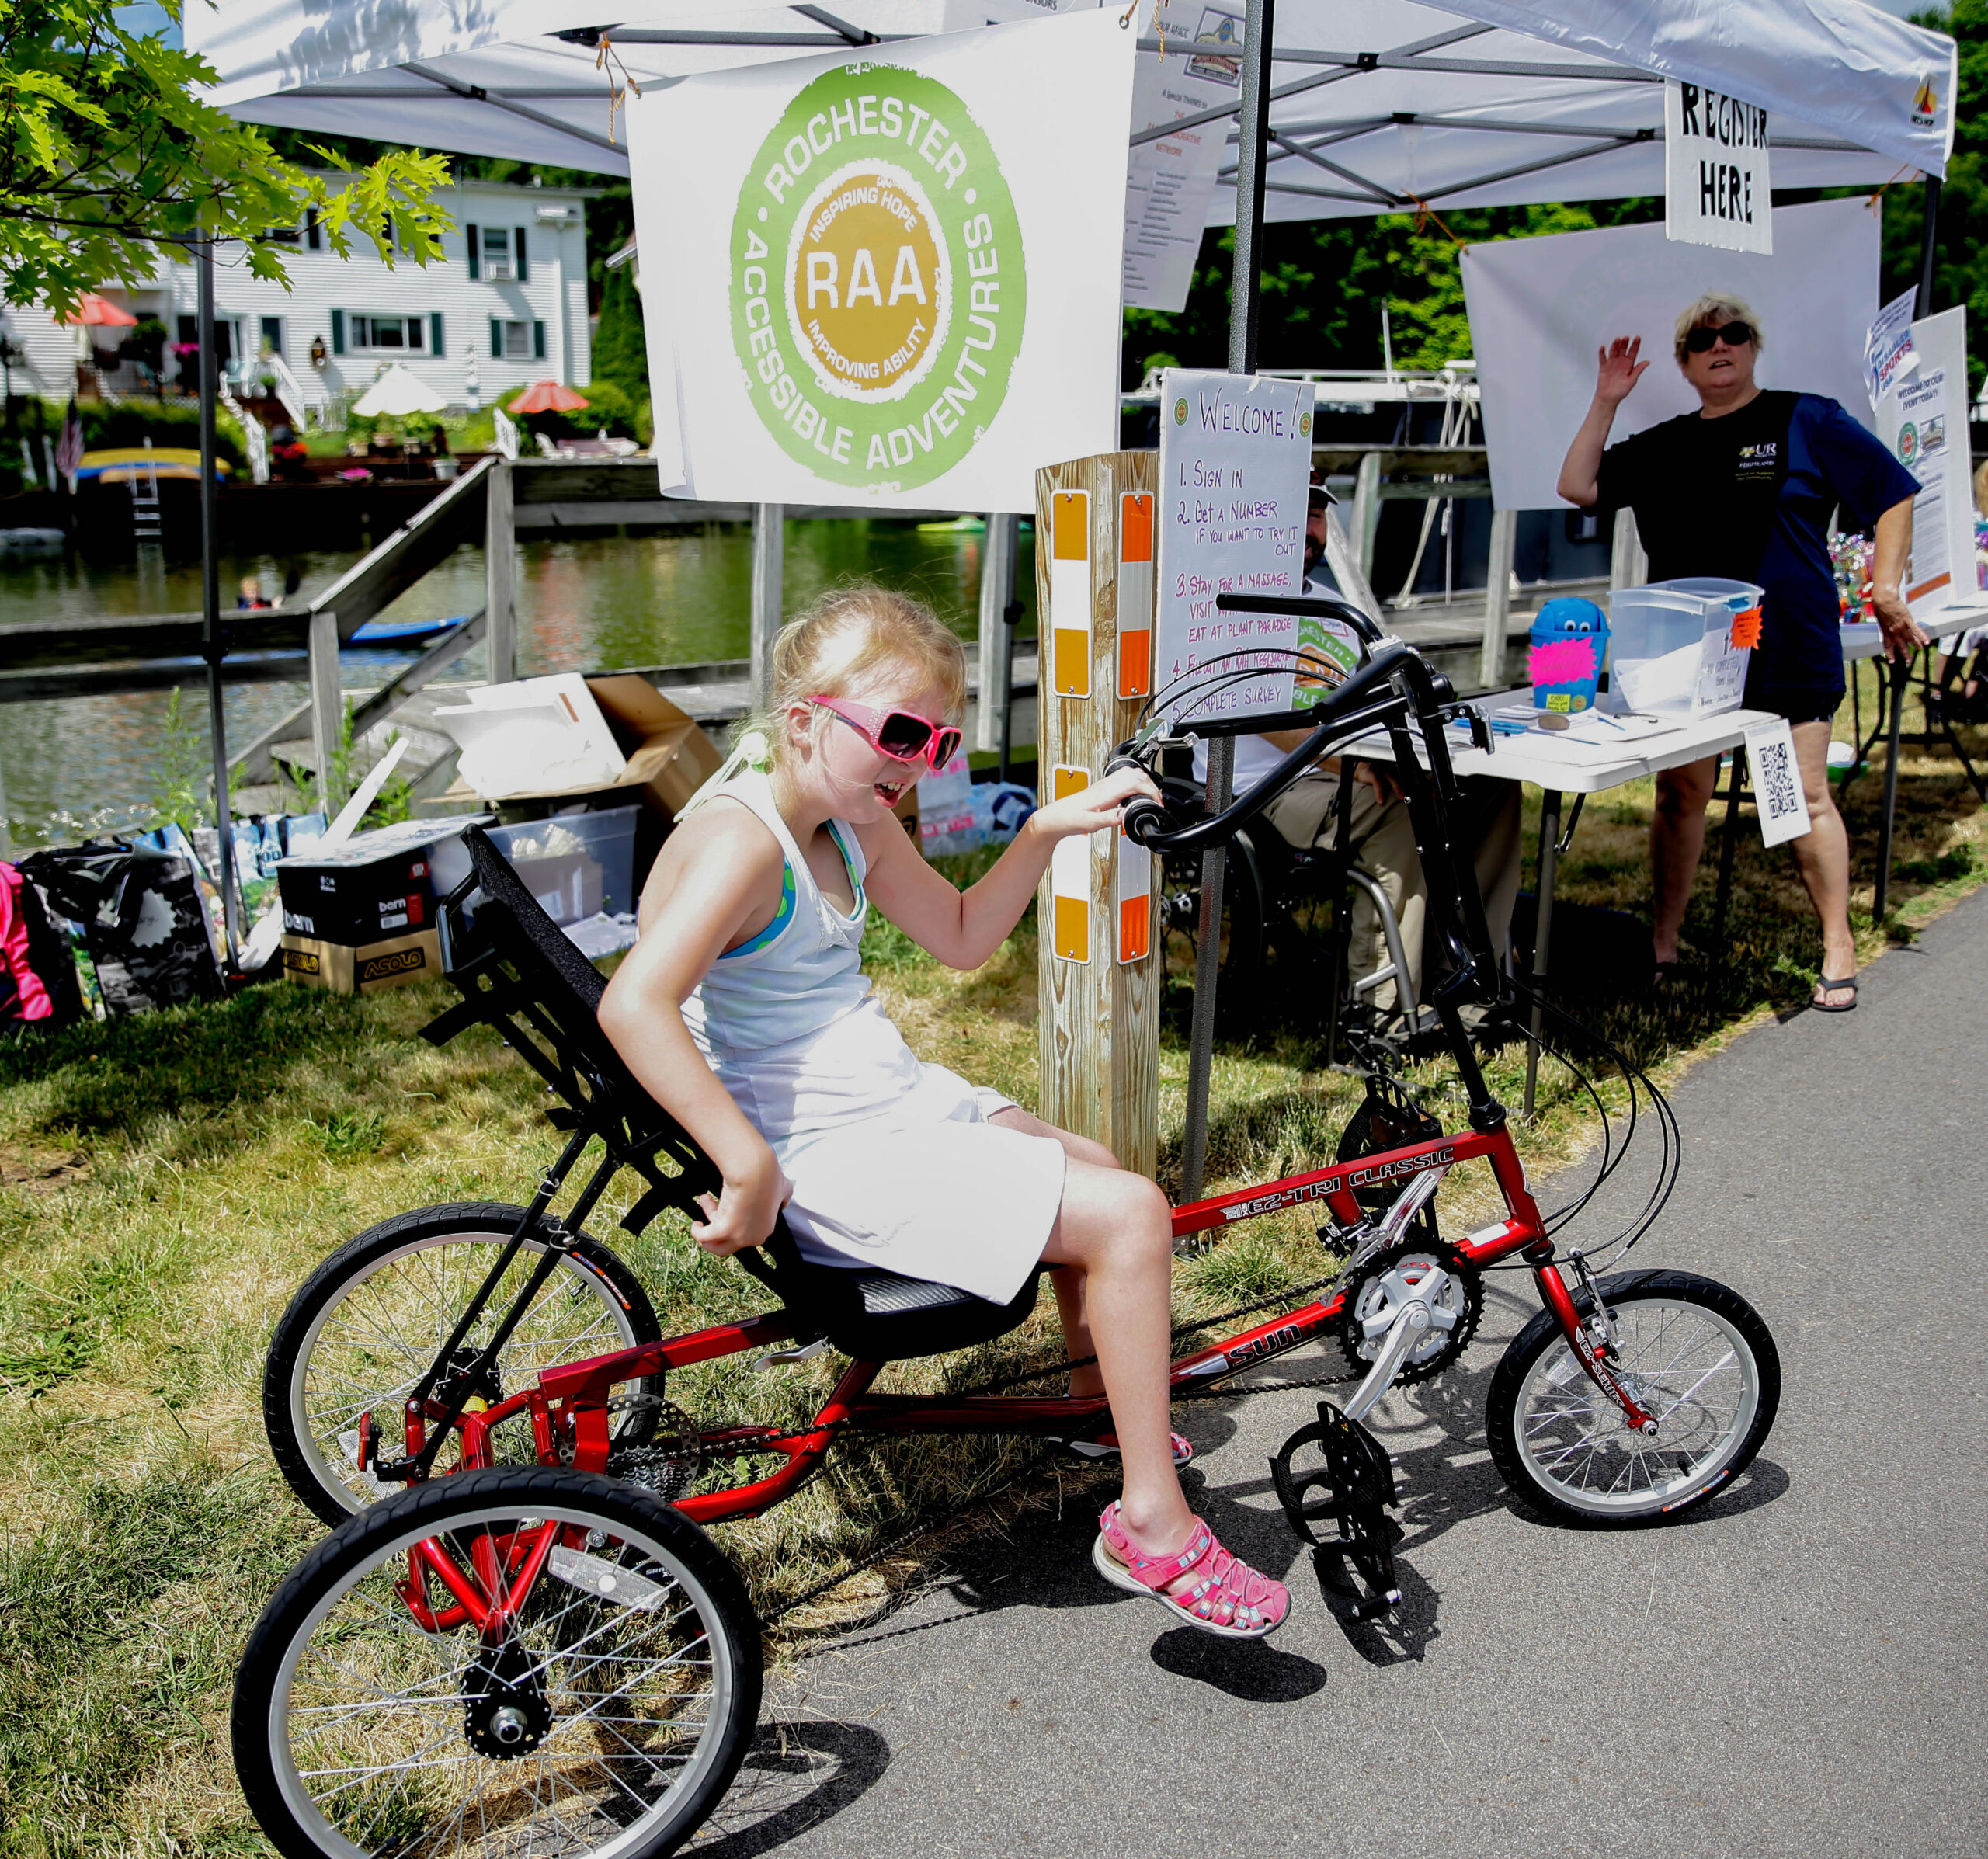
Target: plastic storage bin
577,865
1681,647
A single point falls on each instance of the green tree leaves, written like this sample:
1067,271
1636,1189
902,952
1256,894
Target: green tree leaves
107,153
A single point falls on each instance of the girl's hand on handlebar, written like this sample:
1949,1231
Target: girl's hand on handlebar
744,1210
1095,808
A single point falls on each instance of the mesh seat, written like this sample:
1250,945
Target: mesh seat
519,972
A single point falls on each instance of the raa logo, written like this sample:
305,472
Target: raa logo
878,283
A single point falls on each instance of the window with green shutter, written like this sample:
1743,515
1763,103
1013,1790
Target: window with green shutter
519,247
496,339
435,333
338,332
538,341
475,253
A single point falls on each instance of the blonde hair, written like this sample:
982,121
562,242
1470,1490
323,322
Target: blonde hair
1715,307
843,638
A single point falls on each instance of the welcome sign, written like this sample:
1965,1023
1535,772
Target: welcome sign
876,280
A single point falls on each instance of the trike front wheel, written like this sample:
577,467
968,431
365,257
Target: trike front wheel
516,1661
1691,1353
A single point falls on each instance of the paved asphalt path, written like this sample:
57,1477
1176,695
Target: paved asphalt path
1797,1669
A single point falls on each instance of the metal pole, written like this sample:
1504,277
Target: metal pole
769,594
1928,241
213,646
997,586
1258,28
1893,681
1542,928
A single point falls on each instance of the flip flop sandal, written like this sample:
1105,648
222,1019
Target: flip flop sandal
1824,986
1230,1599
1106,1447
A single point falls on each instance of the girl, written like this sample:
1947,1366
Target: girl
744,1013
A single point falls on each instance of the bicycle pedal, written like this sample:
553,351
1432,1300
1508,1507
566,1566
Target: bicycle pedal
1354,1482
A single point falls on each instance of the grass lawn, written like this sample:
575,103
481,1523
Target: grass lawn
166,1183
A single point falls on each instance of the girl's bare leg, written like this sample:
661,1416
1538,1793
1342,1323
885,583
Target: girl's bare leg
1114,1236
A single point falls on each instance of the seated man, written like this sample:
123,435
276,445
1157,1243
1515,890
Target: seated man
1379,833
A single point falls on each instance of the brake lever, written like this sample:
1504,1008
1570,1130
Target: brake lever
1132,753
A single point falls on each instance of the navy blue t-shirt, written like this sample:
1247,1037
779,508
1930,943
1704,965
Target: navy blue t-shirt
1748,497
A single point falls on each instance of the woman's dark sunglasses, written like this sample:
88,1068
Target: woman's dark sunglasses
1735,335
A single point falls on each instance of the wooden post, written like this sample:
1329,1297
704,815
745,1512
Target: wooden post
327,712
500,576
1097,910
1366,510
1497,597
769,592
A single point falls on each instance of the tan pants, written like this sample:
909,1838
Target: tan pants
1487,821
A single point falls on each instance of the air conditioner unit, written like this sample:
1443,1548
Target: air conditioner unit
498,270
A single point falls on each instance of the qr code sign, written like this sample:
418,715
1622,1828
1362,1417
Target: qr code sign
1776,778
1782,807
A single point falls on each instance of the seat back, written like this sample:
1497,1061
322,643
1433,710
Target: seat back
518,971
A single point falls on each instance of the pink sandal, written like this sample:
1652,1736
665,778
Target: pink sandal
1230,1598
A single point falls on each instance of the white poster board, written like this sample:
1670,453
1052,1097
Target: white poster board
1235,481
1170,181
1716,189
1540,308
1779,803
1922,415
887,277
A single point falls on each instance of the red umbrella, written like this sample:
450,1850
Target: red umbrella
548,397
91,308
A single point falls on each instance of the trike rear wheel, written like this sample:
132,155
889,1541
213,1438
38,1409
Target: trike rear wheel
361,1331
1691,1353
434,1679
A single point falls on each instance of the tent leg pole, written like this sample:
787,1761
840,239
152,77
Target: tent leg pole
769,593
997,588
1259,26
1497,598
500,576
213,646
1929,223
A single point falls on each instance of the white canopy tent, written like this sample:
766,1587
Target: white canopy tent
1374,107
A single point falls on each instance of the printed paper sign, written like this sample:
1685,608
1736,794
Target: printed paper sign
1779,801
1070,877
886,282
1170,180
1888,354
1716,189
1923,417
1235,471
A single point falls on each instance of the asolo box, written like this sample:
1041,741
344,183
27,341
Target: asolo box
361,915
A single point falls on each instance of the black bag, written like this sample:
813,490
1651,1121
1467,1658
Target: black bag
143,921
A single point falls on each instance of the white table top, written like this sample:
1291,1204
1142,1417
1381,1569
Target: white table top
1574,766
1864,640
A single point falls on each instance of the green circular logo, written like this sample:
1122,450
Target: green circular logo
1180,411
878,290
1908,443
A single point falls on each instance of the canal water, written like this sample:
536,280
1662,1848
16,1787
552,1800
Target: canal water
594,603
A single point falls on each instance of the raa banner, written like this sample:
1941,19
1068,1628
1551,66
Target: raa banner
889,277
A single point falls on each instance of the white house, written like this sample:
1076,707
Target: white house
505,305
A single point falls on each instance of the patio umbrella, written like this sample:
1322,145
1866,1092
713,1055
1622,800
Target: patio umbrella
548,397
91,308
396,392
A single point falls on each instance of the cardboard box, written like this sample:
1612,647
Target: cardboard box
376,884
668,757
364,969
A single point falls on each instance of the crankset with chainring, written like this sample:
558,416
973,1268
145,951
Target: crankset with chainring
1388,1280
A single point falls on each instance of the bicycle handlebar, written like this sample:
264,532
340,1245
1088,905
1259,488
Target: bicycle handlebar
1363,626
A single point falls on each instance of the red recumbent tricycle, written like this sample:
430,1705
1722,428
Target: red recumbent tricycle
518,1638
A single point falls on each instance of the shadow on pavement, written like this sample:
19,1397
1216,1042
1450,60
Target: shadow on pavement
1253,1670
795,1776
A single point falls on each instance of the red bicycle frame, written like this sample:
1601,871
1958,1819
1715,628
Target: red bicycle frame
568,1405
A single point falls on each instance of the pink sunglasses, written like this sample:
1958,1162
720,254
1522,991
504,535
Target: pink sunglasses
902,735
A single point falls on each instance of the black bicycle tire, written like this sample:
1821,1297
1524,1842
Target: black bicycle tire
358,1538
1508,1382
361,1252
